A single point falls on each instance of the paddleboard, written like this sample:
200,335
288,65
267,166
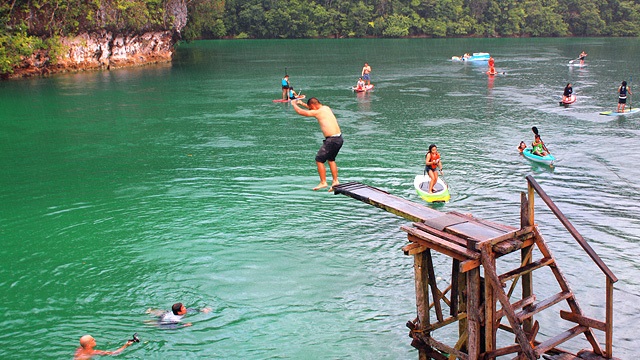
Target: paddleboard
440,189
548,159
571,100
615,113
366,88
288,100
577,64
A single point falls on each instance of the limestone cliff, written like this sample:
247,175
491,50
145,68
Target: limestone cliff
101,50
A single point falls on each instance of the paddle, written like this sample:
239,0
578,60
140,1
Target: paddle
535,131
571,61
630,79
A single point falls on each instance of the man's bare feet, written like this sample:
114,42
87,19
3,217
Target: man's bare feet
332,185
320,186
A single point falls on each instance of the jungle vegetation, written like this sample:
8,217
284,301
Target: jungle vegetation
29,25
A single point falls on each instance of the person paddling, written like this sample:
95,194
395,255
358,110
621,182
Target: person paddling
432,161
566,95
622,96
581,57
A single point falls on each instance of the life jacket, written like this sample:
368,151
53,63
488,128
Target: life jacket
285,82
623,92
291,94
435,156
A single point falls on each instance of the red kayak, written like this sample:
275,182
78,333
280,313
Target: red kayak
567,101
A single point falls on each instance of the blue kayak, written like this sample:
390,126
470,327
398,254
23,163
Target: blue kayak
481,56
548,159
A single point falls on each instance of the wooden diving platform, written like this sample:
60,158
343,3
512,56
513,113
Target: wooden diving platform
476,288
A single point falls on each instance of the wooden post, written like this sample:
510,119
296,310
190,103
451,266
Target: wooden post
422,296
609,320
455,274
473,309
531,192
525,259
489,312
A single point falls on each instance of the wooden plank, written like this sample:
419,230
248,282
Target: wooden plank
454,250
491,275
502,351
489,223
474,231
583,320
544,304
559,339
413,249
490,311
441,234
383,200
442,222
422,296
510,235
525,269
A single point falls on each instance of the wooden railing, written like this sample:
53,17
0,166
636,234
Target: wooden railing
611,278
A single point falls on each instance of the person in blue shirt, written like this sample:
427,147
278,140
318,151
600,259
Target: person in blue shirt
285,87
292,94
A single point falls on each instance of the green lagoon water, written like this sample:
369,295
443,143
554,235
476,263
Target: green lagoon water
136,188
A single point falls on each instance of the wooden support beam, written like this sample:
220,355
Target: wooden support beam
510,235
531,310
455,274
442,246
443,347
559,339
491,275
413,249
583,320
525,269
516,305
445,322
609,319
422,296
489,307
473,313
435,292
441,234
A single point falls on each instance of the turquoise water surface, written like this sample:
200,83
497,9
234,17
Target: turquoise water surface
137,188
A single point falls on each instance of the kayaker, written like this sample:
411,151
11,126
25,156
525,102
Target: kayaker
581,57
538,147
292,94
366,71
522,146
568,90
285,87
432,161
622,95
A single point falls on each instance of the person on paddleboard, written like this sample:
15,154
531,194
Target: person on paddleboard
285,87
566,95
432,161
292,94
360,84
332,138
581,57
88,343
366,71
622,96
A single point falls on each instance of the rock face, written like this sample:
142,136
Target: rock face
101,50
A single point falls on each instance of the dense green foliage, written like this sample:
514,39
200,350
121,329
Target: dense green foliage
24,23
433,18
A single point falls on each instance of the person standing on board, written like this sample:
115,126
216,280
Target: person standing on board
566,95
581,57
366,70
492,63
432,161
285,87
622,96
87,351
332,139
